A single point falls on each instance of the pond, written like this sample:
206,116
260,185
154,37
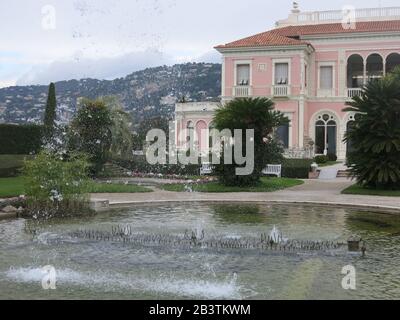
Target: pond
97,266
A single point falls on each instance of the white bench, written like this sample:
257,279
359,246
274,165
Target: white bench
206,168
273,169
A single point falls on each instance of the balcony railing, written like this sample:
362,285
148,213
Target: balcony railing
335,16
353,92
242,91
281,91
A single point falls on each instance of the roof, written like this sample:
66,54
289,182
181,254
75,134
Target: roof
292,35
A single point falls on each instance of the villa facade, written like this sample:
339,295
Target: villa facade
311,64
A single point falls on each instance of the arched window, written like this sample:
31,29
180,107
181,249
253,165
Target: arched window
355,71
392,61
189,130
374,67
325,135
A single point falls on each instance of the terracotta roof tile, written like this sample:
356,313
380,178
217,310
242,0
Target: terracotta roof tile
291,35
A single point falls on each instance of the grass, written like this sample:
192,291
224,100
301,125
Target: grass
11,187
356,189
266,185
117,188
14,187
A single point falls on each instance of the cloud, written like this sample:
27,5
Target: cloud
79,67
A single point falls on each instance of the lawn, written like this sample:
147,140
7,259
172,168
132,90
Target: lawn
266,185
356,189
117,188
13,187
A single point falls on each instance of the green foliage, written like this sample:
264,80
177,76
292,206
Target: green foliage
321,159
50,112
249,113
121,135
148,124
91,132
332,157
375,137
56,186
296,168
20,139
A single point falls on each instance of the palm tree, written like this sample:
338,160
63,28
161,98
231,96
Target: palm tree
249,113
375,136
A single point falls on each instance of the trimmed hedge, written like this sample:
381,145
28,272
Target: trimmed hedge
296,168
321,159
139,164
20,139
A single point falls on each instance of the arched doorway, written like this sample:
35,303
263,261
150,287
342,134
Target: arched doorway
282,134
374,67
392,61
326,135
201,131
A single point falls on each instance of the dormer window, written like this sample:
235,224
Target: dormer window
281,74
243,75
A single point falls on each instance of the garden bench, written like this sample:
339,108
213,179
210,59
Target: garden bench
273,169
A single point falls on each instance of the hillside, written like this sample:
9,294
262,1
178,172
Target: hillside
147,93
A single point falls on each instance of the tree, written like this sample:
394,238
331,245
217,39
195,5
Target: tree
50,112
375,135
147,125
121,134
249,113
90,132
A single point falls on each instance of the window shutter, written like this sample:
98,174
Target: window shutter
326,77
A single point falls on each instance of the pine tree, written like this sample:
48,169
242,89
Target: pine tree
50,112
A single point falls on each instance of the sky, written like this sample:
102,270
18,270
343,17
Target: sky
51,40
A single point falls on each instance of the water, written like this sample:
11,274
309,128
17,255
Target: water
91,269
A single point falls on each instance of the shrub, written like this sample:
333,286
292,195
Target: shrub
56,186
321,159
296,168
139,164
332,157
9,172
20,139
375,135
259,115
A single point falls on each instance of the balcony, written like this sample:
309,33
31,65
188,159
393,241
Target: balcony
280,91
353,92
242,91
336,16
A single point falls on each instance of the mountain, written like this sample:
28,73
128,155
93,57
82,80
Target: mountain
144,94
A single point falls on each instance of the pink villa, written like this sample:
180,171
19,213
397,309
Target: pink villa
310,65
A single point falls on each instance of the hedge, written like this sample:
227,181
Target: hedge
20,139
296,168
140,164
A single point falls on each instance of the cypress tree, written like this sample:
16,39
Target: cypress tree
50,112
